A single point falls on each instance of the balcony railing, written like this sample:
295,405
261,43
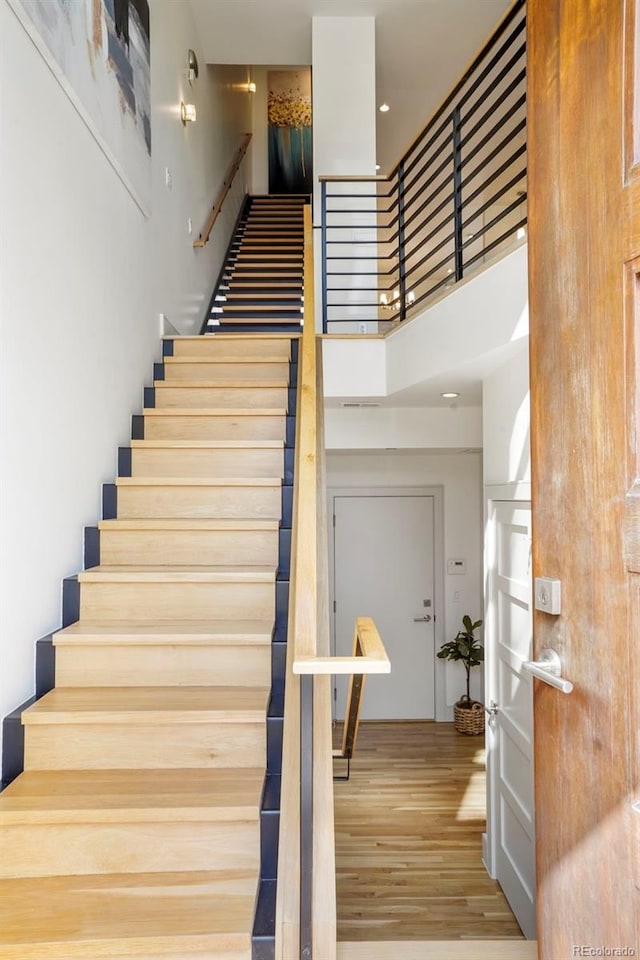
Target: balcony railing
456,200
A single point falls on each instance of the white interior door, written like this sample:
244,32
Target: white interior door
510,733
384,568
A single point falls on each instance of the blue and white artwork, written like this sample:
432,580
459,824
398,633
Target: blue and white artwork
100,52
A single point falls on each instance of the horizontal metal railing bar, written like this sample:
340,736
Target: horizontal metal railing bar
448,161
504,189
357,196
355,259
453,95
438,266
362,243
349,210
489,203
496,243
500,216
425,296
514,131
429,256
443,203
495,60
489,114
446,122
361,180
504,166
362,273
370,289
495,174
434,232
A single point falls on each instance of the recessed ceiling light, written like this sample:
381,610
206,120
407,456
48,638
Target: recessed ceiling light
384,108
450,395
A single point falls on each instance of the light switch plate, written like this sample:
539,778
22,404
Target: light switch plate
456,566
547,595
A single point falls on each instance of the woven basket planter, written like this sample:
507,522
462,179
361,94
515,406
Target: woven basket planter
468,718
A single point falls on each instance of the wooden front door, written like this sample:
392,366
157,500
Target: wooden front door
584,247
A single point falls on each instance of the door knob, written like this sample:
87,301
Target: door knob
426,619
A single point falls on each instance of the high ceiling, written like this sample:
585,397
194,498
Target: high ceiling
422,47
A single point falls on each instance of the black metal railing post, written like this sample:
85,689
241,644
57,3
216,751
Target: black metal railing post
457,196
402,265
306,816
323,194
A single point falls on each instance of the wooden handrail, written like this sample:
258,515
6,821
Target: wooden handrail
222,192
308,651
369,655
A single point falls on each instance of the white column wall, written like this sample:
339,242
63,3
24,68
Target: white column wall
344,142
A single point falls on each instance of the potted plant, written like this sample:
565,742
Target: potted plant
468,713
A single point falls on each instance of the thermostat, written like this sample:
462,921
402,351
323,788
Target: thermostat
456,566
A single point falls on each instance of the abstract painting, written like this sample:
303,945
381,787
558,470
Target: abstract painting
290,139
99,51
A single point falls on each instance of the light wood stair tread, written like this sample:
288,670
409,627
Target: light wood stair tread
220,412
151,915
208,444
263,307
198,481
79,705
285,319
99,796
242,336
169,523
219,383
260,296
232,632
260,573
220,361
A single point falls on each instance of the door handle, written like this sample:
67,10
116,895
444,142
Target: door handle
426,619
548,668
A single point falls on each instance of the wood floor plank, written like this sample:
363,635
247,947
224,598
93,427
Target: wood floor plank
439,950
409,829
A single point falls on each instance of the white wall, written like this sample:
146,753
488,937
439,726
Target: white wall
83,276
344,95
409,428
505,422
198,157
460,476
78,338
475,326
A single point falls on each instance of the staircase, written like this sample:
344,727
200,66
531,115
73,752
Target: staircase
145,823
261,281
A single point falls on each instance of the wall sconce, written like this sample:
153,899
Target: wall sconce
251,87
192,66
187,113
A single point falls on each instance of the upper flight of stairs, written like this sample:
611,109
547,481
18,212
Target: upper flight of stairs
145,822
261,281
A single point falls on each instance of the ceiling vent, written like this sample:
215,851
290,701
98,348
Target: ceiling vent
364,403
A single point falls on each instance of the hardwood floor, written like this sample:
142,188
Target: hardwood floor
409,829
